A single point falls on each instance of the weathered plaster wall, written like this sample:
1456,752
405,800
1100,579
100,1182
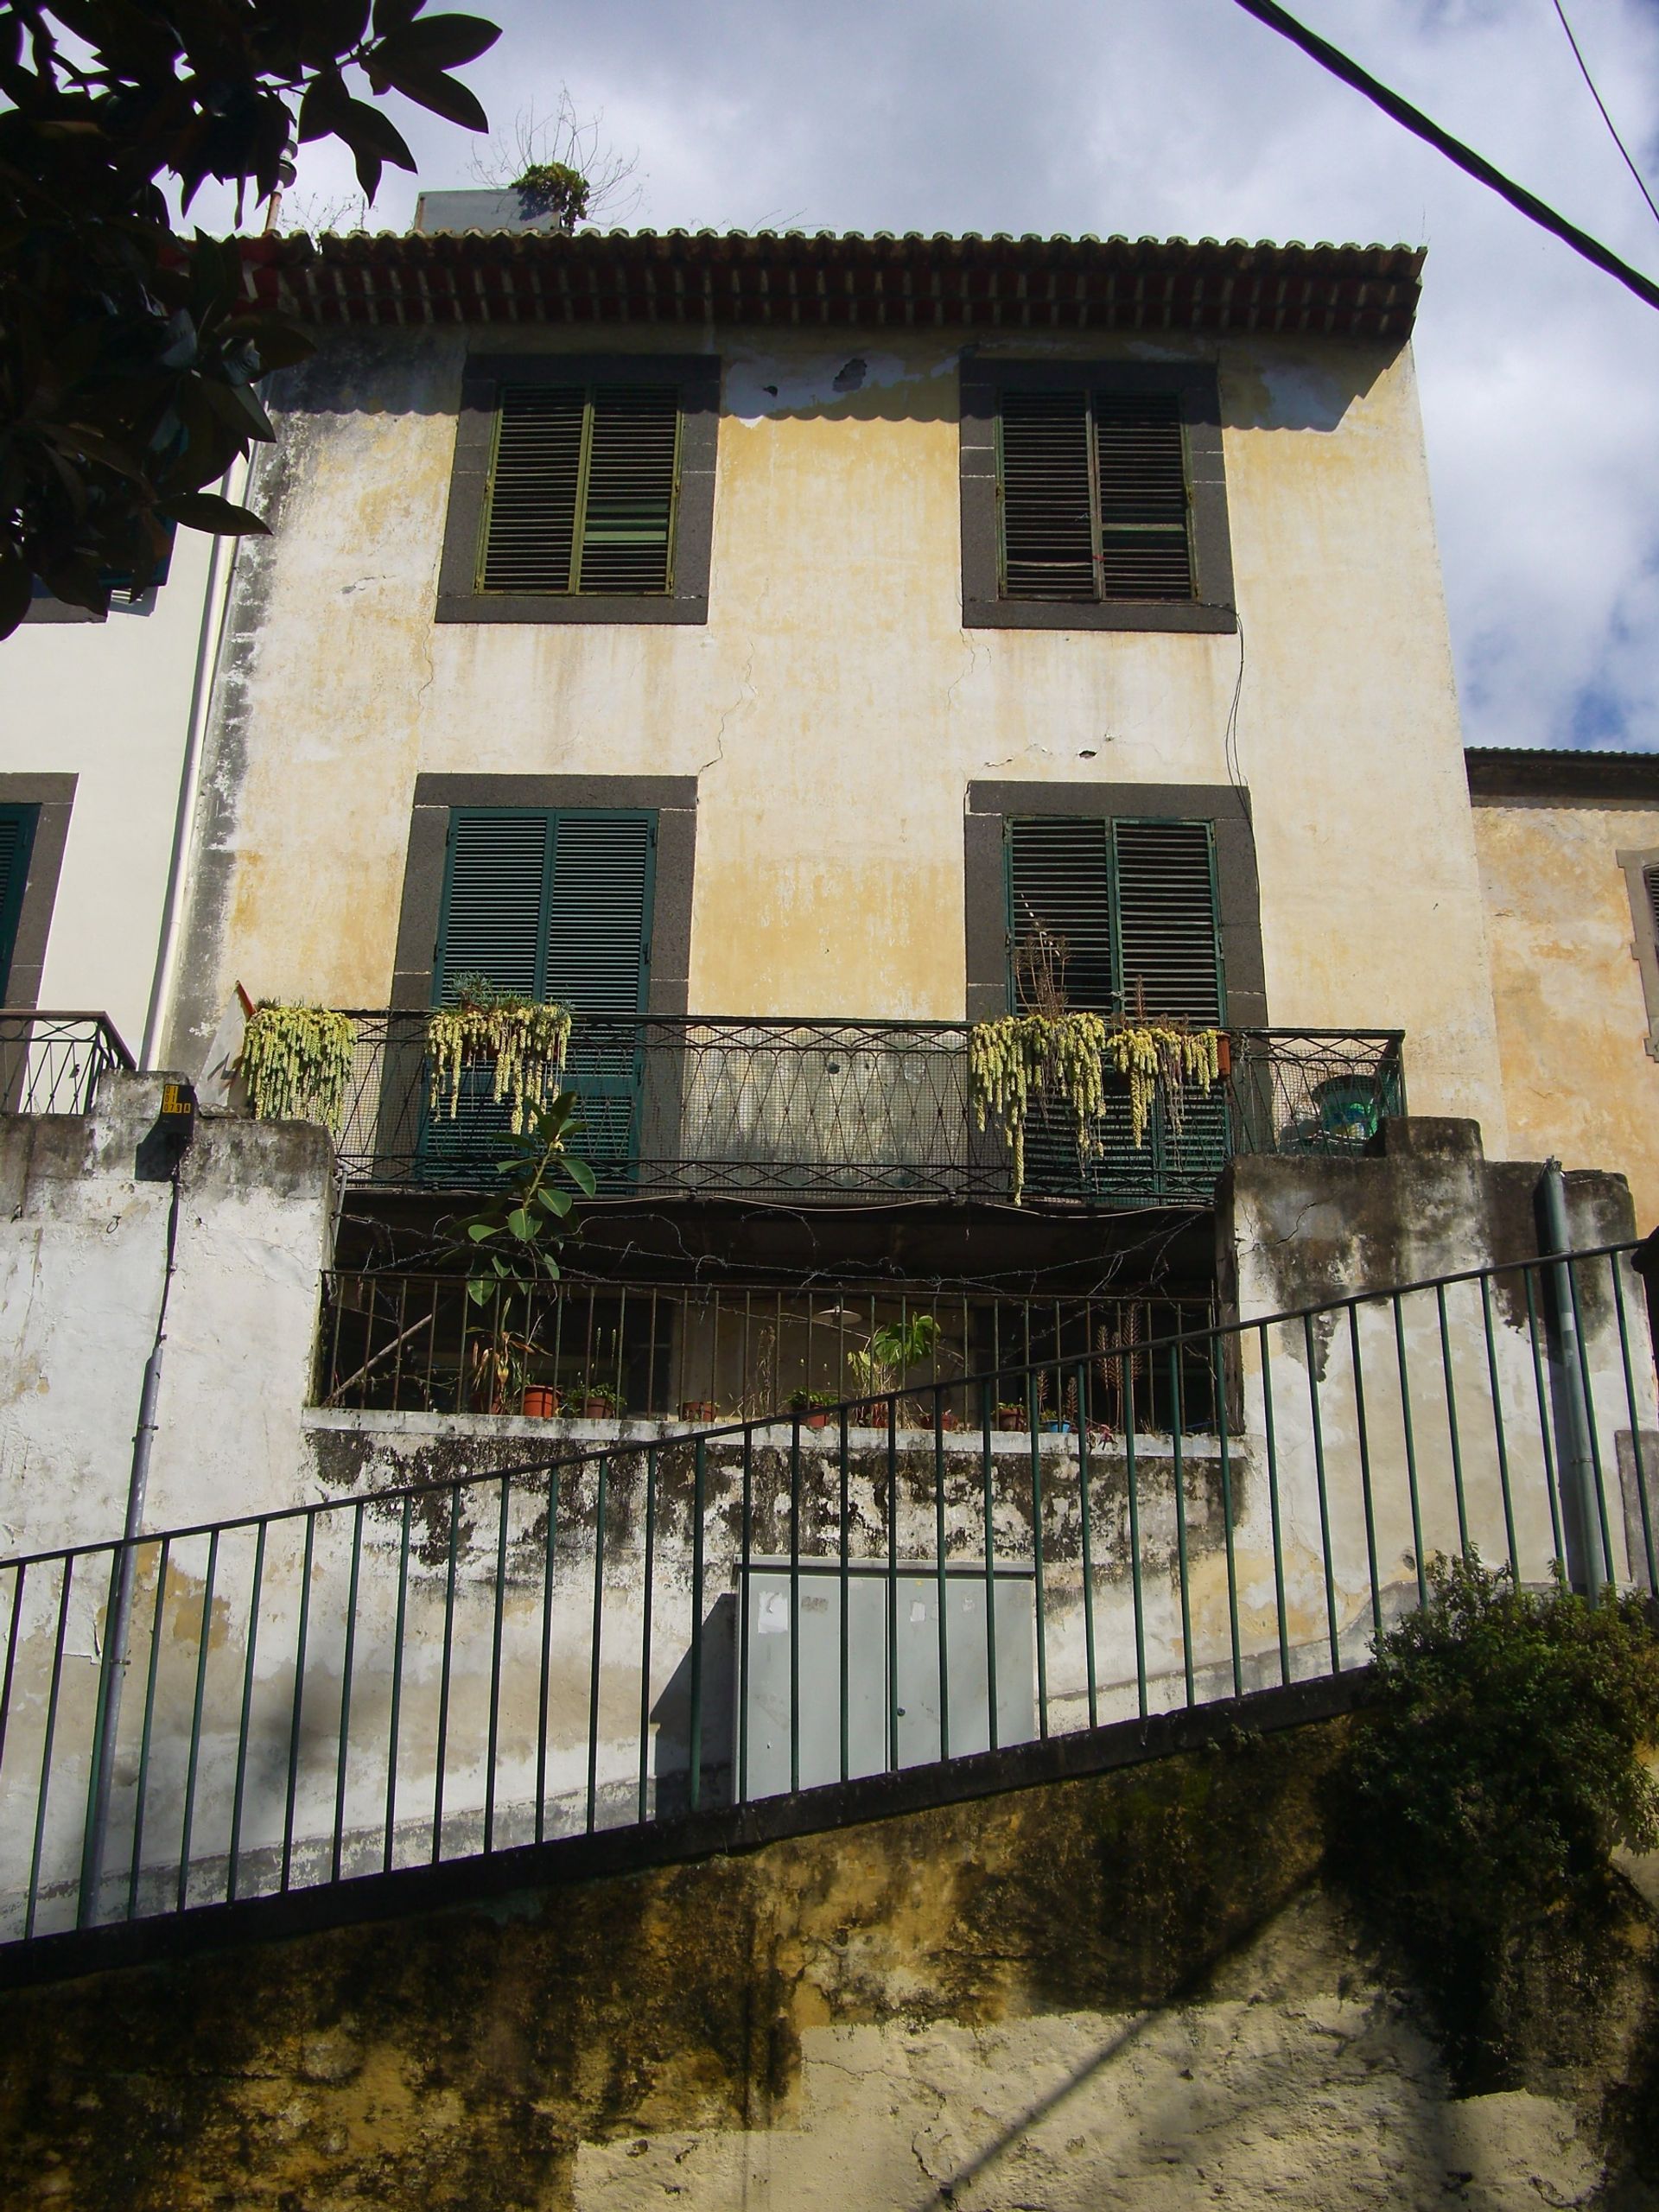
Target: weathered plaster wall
1478,1368
82,1249
834,710
1123,1989
110,703
1578,1079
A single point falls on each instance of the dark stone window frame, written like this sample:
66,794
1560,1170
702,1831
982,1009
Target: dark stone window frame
1635,863
55,797
483,378
673,799
1238,890
1196,387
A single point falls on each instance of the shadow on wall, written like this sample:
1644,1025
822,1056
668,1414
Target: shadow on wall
1309,384
718,1732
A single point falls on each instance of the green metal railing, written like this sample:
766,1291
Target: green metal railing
657,1626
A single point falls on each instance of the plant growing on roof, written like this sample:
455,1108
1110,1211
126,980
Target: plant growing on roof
510,1244
297,1062
522,1040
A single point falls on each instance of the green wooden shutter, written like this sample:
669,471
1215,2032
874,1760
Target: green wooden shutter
531,531
1059,880
1146,536
599,915
1650,885
1045,496
628,515
16,842
494,901
582,492
1169,945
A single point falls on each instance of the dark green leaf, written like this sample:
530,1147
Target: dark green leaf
581,1175
206,511
441,41
444,96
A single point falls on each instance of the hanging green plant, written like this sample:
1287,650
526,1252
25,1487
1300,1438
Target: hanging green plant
1152,1055
1023,1056
297,1062
524,1041
1065,1057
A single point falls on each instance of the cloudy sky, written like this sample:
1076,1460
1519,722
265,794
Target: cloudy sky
1540,376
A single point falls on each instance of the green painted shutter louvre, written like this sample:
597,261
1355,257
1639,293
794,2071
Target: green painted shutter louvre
1168,945
1146,538
1045,496
1136,903
1093,497
598,914
531,534
554,906
16,842
1650,885
581,490
495,903
1059,880
632,468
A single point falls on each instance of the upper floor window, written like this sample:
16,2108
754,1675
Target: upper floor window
1641,869
1093,498
583,490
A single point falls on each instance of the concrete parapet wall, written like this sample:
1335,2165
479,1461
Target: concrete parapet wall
83,1231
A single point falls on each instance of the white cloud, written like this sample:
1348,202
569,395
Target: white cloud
1540,376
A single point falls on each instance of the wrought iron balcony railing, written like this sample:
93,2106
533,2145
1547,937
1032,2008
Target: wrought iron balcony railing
585,1351
706,1106
51,1063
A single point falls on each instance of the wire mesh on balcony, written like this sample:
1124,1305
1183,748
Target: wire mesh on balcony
823,1110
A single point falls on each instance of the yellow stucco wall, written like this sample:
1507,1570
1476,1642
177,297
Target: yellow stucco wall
834,710
1572,1023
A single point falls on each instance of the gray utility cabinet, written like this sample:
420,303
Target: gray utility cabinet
776,1615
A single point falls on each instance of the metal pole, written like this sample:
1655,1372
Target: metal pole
1577,1464
119,1616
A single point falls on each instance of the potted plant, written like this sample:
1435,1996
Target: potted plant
510,1246
699,1409
600,1403
812,1406
540,1401
1009,1415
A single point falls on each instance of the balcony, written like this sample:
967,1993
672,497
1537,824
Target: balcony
820,1111
52,1063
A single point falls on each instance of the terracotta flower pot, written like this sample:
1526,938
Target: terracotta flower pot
540,1401
598,1409
699,1409
1010,1424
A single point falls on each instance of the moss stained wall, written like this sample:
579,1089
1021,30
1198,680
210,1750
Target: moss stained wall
461,2059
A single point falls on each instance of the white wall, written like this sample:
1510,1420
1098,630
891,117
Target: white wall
109,703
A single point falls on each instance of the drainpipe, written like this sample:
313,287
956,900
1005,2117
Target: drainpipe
215,603
1579,1464
118,1616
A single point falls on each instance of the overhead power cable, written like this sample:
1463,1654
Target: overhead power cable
1332,58
1584,71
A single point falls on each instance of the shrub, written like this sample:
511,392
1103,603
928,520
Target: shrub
1486,1788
